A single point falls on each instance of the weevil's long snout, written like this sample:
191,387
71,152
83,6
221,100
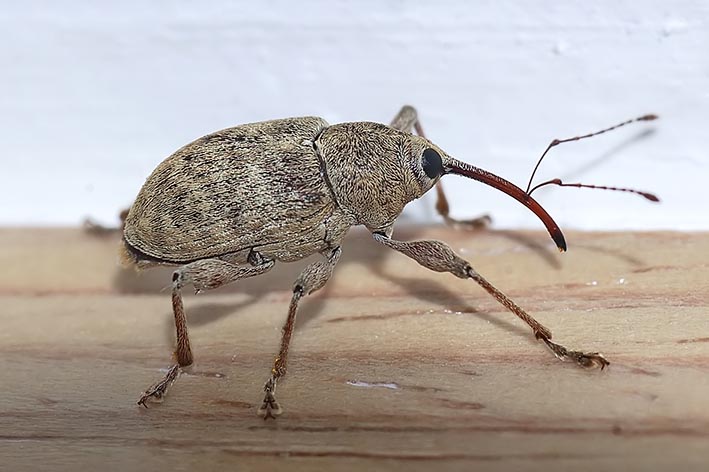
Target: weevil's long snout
453,166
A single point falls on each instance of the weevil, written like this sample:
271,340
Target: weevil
233,203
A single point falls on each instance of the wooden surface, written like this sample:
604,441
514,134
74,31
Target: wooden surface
392,366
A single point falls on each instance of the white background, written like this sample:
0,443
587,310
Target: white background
95,94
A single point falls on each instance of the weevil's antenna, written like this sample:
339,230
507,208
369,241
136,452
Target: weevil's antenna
556,142
649,196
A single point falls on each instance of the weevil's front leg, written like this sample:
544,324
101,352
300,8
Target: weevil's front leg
203,275
407,120
439,257
311,279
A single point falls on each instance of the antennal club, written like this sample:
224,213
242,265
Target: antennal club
649,196
556,142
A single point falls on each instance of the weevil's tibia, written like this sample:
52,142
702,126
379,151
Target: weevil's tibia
407,120
439,257
313,278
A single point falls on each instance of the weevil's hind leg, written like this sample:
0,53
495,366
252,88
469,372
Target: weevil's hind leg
183,352
407,120
311,279
203,275
92,227
439,257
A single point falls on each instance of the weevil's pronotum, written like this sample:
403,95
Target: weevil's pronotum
233,203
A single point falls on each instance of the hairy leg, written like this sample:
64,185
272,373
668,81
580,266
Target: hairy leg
203,275
311,279
439,257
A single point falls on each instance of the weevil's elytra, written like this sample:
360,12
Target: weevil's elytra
254,186
234,203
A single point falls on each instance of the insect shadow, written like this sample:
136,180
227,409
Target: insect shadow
360,249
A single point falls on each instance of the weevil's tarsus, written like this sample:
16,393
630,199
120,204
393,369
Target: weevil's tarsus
439,257
407,120
270,408
556,142
313,278
461,168
157,391
583,359
648,195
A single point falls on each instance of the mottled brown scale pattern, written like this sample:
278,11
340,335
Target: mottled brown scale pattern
255,185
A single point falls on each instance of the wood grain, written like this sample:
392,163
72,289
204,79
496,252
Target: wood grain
392,367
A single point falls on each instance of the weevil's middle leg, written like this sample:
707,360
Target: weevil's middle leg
311,279
407,120
439,257
203,275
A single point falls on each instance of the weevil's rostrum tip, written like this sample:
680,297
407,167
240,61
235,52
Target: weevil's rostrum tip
649,117
558,238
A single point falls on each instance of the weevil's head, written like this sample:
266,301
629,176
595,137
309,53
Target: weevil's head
375,170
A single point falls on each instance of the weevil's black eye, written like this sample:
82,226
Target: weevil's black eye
431,163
